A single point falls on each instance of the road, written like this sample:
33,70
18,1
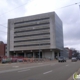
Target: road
38,71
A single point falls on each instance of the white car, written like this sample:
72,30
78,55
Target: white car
74,59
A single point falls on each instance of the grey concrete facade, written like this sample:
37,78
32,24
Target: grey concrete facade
34,33
66,52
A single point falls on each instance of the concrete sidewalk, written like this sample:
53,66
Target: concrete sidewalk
28,62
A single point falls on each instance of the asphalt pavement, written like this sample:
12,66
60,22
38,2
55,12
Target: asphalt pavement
38,71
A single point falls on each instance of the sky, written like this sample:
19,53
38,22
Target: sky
67,10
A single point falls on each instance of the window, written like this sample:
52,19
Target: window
31,40
31,25
32,45
31,35
30,30
32,20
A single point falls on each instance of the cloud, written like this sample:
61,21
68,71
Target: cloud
42,6
10,9
69,16
71,21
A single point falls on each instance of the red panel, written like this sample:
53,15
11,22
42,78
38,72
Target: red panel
2,49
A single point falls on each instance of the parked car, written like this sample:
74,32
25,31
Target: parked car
74,59
14,60
9,60
4,60
61,59
20,60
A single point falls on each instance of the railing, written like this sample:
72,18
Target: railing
21,59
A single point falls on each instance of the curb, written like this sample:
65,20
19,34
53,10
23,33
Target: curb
27,62
78,72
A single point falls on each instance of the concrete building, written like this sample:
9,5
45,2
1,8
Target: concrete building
35,36
70,52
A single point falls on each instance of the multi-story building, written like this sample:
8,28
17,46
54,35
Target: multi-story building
2,49
35,36
70,52
5,49
66,52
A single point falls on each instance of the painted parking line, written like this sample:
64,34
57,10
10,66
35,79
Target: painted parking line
67,65
47,72
40,63
3,64
52,64
24,70
15,66
18,69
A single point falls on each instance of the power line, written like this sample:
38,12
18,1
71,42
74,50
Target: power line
26,3
3,31
14,9
68,5
3,25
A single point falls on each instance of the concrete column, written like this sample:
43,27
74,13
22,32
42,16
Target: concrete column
52,55
39,54
57,54
24,54
43,54
15,55
33,55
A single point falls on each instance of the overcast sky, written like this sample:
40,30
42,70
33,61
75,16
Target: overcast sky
69,15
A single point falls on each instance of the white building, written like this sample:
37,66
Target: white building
33,35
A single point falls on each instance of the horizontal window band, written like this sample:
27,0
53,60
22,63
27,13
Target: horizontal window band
31,35
30,30
31,20
32,45
31,25
31,40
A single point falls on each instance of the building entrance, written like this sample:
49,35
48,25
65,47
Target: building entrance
38,55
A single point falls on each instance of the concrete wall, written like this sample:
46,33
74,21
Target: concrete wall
66,52
34,35
53,55
52,31
10,38
48,54
58,33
